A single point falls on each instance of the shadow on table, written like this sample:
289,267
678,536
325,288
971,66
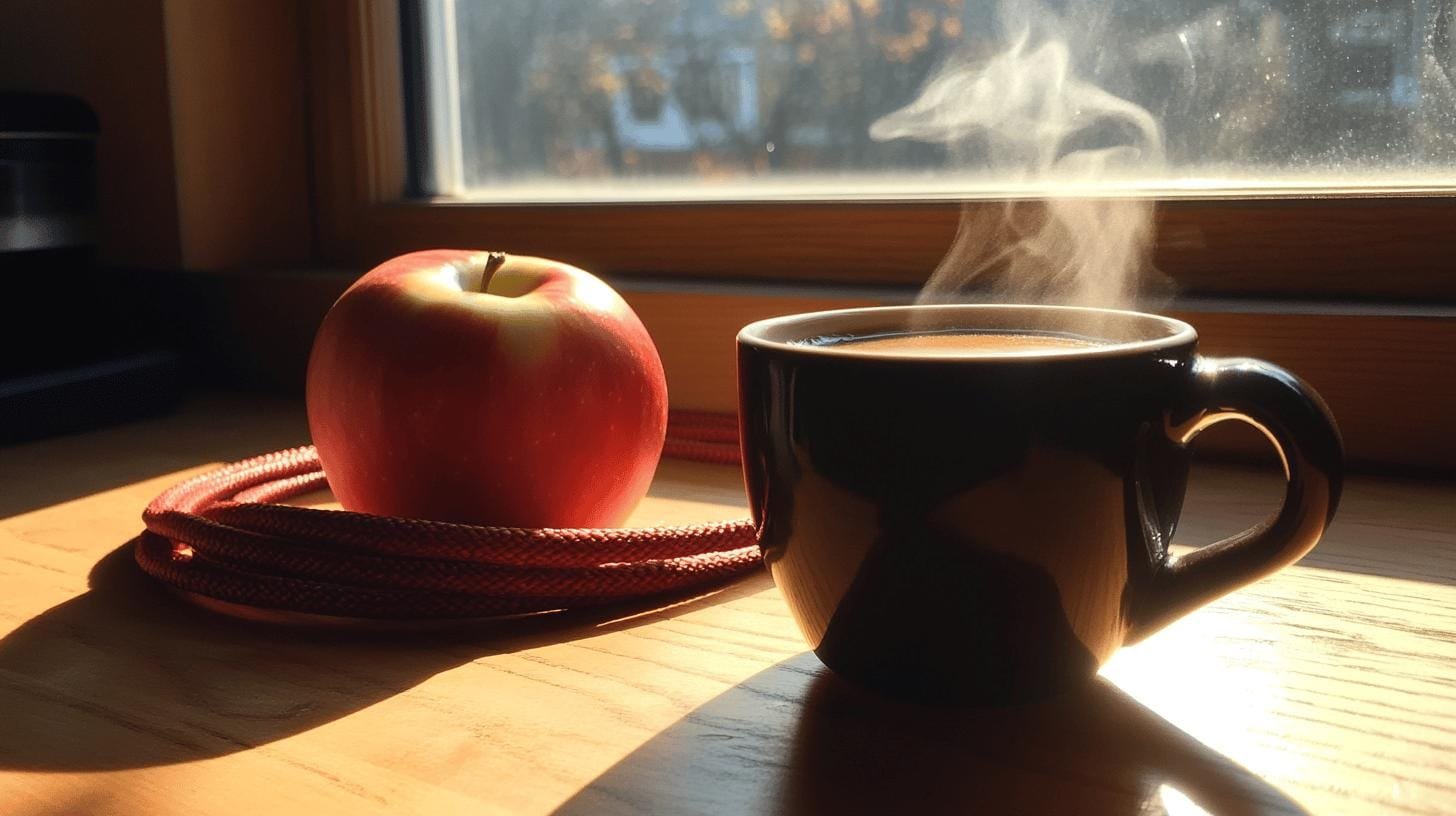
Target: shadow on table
210,428
797,739
129,676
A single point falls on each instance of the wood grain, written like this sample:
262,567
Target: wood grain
1324,689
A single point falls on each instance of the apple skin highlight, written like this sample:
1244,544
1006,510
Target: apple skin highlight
481,388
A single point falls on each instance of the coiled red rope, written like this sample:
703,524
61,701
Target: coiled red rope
222,536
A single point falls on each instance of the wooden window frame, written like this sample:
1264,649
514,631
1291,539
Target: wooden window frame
1356,293
1387,247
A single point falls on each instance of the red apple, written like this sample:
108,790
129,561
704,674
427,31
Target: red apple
487,389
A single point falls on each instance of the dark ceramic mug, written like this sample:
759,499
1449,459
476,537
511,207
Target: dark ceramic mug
991,528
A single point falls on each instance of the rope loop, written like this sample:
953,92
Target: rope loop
222,535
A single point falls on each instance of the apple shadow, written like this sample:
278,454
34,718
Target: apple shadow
127,675
797,739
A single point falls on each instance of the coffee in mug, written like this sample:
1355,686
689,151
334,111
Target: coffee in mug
954,343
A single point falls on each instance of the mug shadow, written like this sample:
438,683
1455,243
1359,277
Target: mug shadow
127,675
797,739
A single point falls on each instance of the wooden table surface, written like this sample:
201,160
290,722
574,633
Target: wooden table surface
1330,688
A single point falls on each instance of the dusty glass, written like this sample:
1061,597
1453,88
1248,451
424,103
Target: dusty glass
749,99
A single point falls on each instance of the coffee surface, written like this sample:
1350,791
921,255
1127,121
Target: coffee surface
964,343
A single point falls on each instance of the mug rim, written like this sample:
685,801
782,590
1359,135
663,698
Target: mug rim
1177,333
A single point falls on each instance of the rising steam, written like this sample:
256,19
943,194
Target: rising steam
1027,118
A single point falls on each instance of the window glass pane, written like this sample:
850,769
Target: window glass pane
683,99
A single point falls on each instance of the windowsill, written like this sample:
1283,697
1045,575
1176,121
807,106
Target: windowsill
1382,367
1384,249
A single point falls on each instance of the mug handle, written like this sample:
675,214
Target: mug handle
1294,417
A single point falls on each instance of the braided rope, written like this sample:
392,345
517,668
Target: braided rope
222,535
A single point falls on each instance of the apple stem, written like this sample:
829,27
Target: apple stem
493,262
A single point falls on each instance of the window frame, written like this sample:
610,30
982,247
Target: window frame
1384,247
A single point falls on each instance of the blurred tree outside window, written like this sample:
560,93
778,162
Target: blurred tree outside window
705,98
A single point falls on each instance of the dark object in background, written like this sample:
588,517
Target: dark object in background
72,355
